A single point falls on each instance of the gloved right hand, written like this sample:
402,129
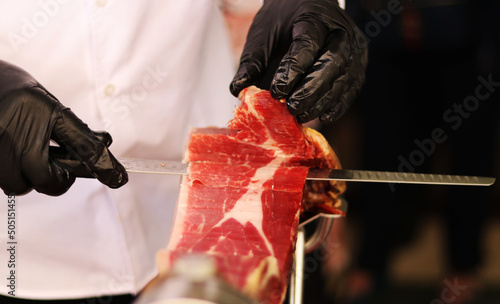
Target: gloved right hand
308,52
29,118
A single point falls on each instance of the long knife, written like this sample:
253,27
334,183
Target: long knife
134,165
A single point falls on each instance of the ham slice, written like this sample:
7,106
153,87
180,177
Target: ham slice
242,200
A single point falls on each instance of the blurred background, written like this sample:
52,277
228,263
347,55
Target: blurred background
430,104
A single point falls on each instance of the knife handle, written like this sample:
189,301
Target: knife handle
67,159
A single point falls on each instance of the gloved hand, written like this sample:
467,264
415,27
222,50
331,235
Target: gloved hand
29,118
311,51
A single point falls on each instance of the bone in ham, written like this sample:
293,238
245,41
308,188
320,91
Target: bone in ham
243,198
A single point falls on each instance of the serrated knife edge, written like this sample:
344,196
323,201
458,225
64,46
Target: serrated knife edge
399,177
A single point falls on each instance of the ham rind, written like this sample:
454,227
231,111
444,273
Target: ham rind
241,200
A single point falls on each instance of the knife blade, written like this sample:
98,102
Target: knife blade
134,165
398,177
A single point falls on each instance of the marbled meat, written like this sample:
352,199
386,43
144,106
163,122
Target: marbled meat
243,197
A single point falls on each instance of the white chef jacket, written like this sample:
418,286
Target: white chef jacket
145,71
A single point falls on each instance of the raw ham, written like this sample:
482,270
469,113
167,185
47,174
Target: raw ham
243,197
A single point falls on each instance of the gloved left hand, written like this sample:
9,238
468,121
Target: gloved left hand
310,52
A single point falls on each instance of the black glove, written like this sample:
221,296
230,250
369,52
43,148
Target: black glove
29,118
311,51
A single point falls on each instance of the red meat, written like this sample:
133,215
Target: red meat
241,201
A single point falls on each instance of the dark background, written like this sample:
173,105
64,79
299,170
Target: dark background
426,61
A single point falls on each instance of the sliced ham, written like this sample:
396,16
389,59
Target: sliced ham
242,200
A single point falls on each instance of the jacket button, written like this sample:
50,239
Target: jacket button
109,90
101,3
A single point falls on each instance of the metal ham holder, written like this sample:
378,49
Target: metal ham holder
304,246
194,280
